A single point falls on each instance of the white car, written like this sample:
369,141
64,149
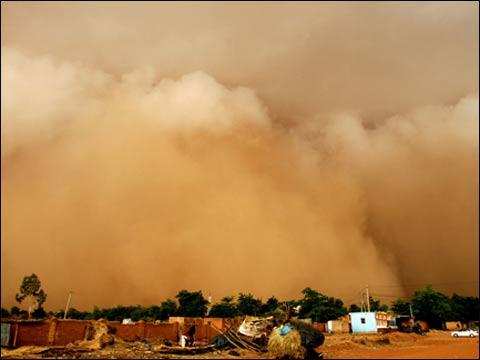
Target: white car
465,333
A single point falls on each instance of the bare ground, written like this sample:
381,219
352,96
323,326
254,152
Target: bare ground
434,345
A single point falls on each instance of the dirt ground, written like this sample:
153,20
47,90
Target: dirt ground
434,345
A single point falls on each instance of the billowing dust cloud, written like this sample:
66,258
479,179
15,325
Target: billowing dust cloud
134,168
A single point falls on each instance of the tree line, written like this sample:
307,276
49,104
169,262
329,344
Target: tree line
425,304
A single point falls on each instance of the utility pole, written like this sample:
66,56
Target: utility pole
368,300
68,304
411,312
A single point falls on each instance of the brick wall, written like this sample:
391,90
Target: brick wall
219,323
31,333
162,331
204,327
205,333
62,332
141,331
68,331
320,326
132,332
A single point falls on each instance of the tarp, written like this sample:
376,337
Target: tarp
255,326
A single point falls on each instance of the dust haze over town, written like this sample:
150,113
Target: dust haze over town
264,148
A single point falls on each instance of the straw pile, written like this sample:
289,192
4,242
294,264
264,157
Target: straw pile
311,337
288,346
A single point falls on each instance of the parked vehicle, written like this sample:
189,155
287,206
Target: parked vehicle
465,333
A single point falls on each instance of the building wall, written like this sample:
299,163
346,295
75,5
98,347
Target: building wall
62,332
205,328
320,326
31,333
142,331
129,332
338,326
67,331
363,322
218,323
383,319
161,331
453,325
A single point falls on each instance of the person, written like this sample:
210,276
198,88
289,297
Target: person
191,335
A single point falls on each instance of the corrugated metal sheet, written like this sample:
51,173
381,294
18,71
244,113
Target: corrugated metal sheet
5,334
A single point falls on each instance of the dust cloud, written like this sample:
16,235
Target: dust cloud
246,147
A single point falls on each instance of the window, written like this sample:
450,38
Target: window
362,320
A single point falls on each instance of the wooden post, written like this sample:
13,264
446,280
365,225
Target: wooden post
68,305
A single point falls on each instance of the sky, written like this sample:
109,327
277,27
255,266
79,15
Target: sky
238,147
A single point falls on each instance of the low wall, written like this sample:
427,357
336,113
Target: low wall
30,333
57,332
146,331
320,326
205,328
67,331
161,331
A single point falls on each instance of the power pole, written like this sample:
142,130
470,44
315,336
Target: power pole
68,304
411,312
368,300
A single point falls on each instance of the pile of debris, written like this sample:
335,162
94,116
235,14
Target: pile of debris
255,337
289,339
98,335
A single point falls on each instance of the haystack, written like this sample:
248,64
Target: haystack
287,346
311,337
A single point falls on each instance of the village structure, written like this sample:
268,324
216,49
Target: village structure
191,335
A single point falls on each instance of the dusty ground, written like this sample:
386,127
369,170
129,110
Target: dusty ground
436,345
136,350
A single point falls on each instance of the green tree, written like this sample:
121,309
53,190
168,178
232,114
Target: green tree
59,314
247,304
375,305
39,313
465,308
97,313
354,308
168,308
191,304
15,311
226,308
5,313
30,290
320,308
153,312
270,306
138,313
401,307
74,314
431,306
